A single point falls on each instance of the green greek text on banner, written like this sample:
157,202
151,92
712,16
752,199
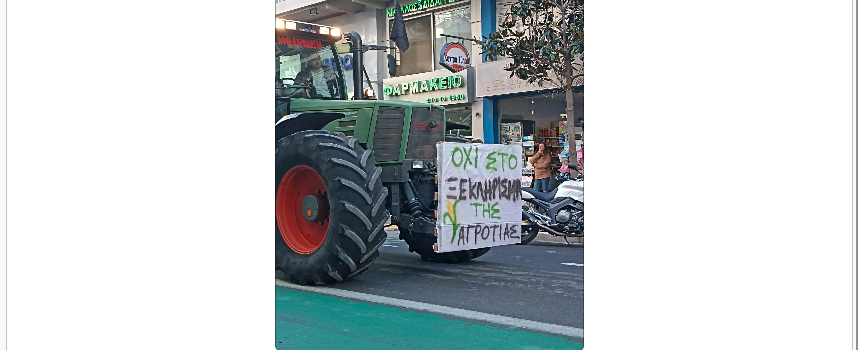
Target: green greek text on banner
479,196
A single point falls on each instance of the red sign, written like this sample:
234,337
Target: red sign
424,126
290,41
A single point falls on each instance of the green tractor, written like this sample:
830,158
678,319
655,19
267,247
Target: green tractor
344,166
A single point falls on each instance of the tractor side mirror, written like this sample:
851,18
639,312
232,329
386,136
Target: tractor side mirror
391,65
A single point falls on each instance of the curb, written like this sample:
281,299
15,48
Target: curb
545,237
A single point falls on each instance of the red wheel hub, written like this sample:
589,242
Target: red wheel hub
302,209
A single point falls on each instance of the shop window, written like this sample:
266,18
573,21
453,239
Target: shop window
418,58
459,116
347,63
455,22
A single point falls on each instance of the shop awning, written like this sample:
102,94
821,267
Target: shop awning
313,11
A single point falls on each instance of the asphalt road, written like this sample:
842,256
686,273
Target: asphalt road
541,281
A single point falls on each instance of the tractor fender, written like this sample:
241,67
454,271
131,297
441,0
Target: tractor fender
297,122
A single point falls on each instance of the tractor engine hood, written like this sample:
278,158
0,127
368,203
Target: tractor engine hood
394,130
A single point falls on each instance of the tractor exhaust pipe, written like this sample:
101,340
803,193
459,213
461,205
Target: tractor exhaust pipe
357,70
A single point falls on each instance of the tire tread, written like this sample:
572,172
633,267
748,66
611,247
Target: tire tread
345,167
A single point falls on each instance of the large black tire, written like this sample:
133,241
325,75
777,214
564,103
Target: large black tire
423,245
357,213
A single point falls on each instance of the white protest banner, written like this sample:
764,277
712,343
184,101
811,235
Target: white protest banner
479,196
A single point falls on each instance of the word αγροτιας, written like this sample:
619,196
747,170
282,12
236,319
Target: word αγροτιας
485,232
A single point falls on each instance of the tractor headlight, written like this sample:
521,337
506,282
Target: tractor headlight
369,92
417,164
335,32
280,24
324,30
291,25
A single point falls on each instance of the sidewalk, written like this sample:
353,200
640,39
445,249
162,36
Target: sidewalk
305,320
544,237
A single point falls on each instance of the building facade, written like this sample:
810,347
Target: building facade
481,97
432,60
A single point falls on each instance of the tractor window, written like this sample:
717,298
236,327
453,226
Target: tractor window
307,69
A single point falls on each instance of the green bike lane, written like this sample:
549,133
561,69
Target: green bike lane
305,320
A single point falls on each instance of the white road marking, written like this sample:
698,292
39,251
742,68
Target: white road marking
550,251
388,245
563,243
572,264
444,310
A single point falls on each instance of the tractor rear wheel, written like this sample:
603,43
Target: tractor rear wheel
423,245
329,208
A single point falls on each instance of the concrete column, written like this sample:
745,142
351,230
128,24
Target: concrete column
489,17
477,119
476,59
383,35
490,115
491,125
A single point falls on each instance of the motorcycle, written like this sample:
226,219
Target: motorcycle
559,212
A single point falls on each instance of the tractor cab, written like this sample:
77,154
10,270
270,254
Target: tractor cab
307,63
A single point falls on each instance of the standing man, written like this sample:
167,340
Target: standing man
321,78
541,169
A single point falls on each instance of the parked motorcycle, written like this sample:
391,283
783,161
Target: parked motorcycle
559,212
558,179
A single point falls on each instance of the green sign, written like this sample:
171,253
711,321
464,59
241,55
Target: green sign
459,97
418,6
442,83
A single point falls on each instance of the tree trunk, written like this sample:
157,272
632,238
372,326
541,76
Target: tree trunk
567,84
571,122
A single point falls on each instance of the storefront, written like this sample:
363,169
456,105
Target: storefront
527,114
429,70
519,113
454,91
512,111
